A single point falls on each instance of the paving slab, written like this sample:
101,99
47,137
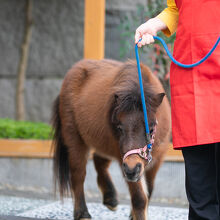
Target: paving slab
12,208
10,205
99,212
7,217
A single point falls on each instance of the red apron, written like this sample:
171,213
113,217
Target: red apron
195,93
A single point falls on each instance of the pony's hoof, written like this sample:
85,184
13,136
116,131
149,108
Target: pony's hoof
82,216
131,217
111,207
111,203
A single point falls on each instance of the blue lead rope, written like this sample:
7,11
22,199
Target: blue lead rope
149,145
186,65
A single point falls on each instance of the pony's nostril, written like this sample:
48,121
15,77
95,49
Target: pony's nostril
132,173
138,167
127,169
124,165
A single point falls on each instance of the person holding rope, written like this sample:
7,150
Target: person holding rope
195,97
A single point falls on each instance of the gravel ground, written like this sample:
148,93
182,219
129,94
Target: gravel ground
19,208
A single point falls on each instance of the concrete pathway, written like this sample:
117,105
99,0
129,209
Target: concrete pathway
7,217
13,208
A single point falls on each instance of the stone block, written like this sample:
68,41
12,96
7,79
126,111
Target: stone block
7,98
11,35
40,95
36,175
57,40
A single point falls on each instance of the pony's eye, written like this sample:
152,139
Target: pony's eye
119,127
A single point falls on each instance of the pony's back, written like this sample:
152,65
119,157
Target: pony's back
88,90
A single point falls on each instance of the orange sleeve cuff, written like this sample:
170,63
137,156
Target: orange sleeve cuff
170,17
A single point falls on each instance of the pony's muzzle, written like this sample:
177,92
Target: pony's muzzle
132,174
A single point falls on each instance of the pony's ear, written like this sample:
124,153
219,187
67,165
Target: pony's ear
116,99
157,99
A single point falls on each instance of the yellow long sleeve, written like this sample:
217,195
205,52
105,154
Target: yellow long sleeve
170,17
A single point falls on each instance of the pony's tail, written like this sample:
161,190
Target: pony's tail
60,160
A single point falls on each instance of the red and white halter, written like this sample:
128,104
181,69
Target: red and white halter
143,152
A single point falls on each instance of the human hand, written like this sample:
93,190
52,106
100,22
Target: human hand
147,30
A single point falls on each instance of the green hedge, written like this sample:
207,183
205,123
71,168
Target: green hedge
24,130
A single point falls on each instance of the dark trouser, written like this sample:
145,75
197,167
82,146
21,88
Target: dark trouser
202,164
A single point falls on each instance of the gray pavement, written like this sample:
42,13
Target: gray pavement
7,217
18,208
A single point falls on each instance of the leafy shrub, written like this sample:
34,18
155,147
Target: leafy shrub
24,130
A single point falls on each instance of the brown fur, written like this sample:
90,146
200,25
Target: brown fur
95,99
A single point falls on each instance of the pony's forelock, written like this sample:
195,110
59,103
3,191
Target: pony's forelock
126,96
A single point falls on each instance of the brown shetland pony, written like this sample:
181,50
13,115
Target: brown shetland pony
99,109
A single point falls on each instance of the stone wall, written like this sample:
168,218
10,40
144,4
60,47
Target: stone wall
56,44
34,176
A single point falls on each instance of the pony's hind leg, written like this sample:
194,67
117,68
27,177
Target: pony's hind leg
70,158
78,160
105,183
77,156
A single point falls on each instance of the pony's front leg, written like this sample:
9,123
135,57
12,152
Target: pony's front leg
105,182
78,160
139,201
